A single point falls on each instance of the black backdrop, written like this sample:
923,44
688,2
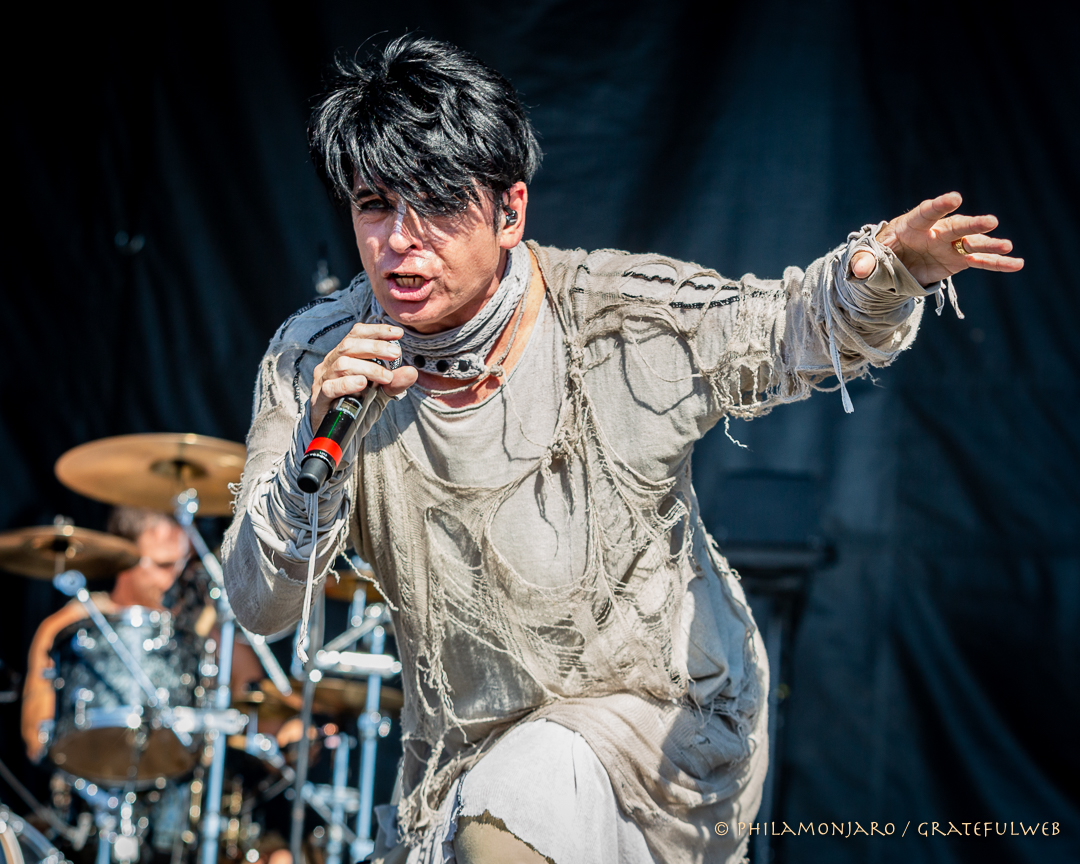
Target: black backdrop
162,218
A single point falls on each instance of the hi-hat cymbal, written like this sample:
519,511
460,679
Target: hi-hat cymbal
45,550
338,697
151,470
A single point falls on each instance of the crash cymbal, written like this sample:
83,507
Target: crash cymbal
338,697
45,550
348,583
151,470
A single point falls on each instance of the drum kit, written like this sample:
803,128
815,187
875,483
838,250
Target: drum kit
153,750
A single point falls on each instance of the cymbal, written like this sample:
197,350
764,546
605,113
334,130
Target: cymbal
338,697
35,551
348,583
150,470
265,707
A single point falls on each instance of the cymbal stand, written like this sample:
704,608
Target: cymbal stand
345,744
312,677
371,726
338,802
117,834
336,824
187,505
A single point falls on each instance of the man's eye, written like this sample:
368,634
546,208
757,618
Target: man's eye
373,205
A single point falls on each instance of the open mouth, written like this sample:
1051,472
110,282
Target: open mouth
407,280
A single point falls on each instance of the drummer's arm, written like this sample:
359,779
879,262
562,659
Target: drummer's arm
39,695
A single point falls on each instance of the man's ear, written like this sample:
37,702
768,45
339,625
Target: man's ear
512,207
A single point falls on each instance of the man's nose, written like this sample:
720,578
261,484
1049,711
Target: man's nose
405,232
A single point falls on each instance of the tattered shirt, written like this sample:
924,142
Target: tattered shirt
542,553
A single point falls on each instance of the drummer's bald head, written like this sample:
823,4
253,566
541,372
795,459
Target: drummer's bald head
131,522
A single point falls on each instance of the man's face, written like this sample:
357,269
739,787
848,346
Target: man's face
432,274
164,549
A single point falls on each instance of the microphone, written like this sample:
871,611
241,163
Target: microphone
345,416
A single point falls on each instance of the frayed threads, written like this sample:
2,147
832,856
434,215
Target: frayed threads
303,638
945,286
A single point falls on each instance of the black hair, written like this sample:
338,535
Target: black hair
425,121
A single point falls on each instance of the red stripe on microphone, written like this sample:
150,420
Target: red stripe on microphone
327,446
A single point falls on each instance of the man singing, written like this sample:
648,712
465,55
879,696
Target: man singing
584,681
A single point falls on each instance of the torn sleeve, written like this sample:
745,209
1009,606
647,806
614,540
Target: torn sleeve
267,549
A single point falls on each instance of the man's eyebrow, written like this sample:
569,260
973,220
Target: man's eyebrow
364,192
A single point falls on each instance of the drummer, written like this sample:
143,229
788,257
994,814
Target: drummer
164,551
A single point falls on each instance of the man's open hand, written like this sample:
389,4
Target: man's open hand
923,240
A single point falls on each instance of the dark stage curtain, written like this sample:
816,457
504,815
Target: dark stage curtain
163,218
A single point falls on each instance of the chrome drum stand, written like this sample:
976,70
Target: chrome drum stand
338,803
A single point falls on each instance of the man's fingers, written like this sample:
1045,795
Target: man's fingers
932,210
346,366
363,346
385,332
997,263
982,243
961,226
348,385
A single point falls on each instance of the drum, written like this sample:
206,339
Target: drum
22,843
104,728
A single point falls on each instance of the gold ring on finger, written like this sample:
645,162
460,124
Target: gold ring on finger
958,245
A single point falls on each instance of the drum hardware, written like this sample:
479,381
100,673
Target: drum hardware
44,551
338,803
340,698
187,504
332,803
119,832
150,470
76,836
189,475
315,636
73,584
360,627
357,663
129,727
181,719
17,834
112,724
371,726
341,747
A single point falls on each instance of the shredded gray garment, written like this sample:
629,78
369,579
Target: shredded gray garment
274,509
655,352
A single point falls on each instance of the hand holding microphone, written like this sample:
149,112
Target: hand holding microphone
351,375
